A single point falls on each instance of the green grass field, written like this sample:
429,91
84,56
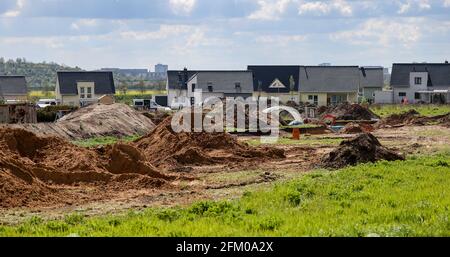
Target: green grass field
425,110
410,198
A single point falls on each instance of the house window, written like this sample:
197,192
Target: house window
237,86
89,92
210,86
193,87
314,99
401,94
417,96
418,81
82,92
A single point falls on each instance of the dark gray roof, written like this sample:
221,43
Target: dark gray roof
224,81
329,78
372,77
177,79
438,73
13,85
267,74
103,80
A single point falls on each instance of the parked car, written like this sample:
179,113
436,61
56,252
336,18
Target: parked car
42,103
149,104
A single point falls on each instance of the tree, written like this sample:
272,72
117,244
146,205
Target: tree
47,88
292,86
141,86
123,87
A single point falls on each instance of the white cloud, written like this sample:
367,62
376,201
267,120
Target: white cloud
16,11
50,42
270,9
383,32
280,39
163,32
325,7
182,6
446,3
406,6
83,23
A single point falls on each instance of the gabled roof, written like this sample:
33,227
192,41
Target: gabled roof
372,77
13,85
329,79
267,74
177,79
438,73
103,80
225,81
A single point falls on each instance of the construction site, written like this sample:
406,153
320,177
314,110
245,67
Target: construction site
43,172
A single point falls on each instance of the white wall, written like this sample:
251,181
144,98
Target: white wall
384,97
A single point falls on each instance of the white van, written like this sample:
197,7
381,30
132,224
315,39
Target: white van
42,103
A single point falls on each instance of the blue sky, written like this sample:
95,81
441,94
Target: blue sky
224,34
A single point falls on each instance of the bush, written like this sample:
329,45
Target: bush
48,114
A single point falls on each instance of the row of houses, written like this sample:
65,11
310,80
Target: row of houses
319,85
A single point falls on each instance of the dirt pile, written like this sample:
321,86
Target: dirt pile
355,128
362,149
413,118
95,120
167,149
348,111
105,120
31,167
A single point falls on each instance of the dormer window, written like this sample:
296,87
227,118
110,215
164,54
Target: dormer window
418,81
210,86
237,86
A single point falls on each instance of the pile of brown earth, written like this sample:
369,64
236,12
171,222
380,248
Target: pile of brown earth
362,149
169,150
355,128
411,118
32,167
348,111
96,120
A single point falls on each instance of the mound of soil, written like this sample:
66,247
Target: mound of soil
105,120
96,120
362,149
31,167
348,111
411,118
355,128
167,149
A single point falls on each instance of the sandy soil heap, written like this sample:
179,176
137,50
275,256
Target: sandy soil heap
412,117
167,149
93,121
348,111
31,165
362,149
355,128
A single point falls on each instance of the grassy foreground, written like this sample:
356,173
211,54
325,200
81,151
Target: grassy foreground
425,110
410,198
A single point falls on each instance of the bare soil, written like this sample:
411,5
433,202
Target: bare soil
96,120
146,178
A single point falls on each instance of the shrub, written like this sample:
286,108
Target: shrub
48,114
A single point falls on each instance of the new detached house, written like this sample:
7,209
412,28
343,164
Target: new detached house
421,83
182,85
276,81
80,88
13,88
329,85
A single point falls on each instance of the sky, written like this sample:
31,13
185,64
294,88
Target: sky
224,34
